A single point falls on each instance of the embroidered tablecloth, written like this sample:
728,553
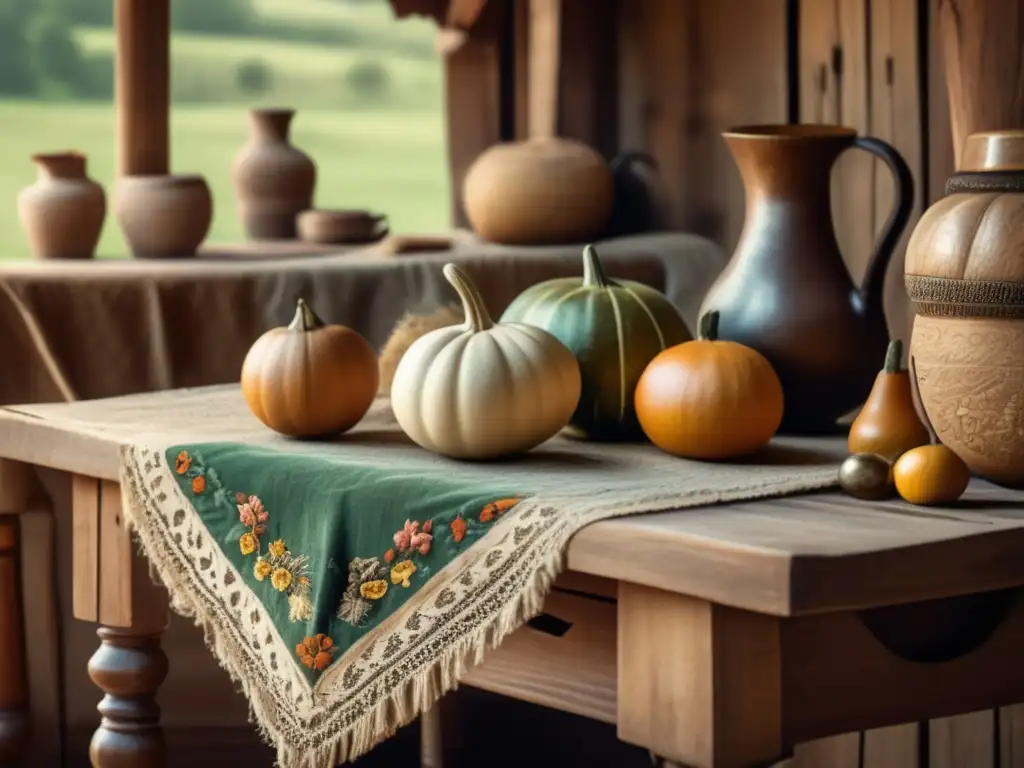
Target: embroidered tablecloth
347,585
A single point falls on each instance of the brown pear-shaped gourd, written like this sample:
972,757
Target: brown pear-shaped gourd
888,423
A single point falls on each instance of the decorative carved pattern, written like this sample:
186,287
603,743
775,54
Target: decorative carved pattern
970,373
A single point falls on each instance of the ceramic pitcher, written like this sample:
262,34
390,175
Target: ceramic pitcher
786,291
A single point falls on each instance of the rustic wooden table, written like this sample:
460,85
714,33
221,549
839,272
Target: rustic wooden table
718,636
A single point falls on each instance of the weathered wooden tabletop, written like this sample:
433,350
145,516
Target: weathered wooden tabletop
787,556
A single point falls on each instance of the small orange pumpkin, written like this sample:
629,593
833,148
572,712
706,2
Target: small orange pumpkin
930,474
310,378
709,399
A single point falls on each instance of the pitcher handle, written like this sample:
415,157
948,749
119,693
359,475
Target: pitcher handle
873,286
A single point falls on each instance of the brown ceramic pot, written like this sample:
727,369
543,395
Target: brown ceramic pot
965,273
786,291
163,217
273,180
62,212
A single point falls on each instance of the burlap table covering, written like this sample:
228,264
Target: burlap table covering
119,327
324,686
115,327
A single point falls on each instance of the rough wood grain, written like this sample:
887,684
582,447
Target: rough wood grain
981,41
85,547
698,683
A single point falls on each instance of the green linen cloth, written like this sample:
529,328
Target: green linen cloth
329,550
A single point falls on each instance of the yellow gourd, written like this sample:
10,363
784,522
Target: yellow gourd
931,474
888,423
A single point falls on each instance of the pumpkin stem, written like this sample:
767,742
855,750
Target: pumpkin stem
305,318
477,317
708,326
893,355
593,272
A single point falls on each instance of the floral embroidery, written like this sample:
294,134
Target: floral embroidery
389,556
182,463
286,572
355,604
248,543
374,590
262,569
458,528
497,509
412,537
281,579
402,572
316,652
277,548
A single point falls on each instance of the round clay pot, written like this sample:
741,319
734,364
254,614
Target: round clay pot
163,217
544,191
62,212
273,180
965,274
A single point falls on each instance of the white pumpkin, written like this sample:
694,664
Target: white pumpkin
482,390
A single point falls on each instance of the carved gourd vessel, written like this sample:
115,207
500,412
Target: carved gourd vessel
965,273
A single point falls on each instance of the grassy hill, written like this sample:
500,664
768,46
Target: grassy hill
383,150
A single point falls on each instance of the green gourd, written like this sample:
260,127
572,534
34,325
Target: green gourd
614,328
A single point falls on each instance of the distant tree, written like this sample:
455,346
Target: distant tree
227,17
368,77
54,55
16,75
253,77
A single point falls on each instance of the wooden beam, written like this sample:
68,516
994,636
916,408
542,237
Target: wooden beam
142,86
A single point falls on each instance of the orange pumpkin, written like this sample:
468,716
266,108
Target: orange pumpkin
310,378
709,399
930,474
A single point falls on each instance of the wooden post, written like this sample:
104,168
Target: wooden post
981,45
142,86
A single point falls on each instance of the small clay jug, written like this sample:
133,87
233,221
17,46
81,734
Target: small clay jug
786,291
273,180
163,216
62,212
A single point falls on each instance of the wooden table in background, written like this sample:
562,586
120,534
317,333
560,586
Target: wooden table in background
716,637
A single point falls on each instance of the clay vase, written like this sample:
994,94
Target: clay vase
965,274
786,291
62,212
163,217
273,180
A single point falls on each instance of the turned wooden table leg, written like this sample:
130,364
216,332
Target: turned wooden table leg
129,667
440,737
113,586
700,684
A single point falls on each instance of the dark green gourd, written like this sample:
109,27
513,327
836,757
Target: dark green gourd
615,328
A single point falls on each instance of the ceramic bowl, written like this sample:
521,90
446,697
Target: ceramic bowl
341,226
